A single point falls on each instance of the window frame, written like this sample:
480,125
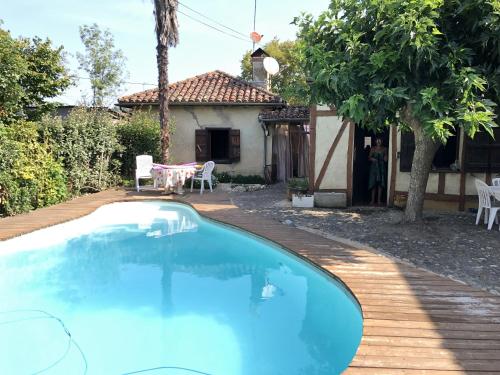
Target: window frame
203,145
209,131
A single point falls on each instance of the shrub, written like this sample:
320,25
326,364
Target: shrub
197,183
30,177
225,177
86,142
298,183
139,135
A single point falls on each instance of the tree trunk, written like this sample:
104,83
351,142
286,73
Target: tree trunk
425,149
162,61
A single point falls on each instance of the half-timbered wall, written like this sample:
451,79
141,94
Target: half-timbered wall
331,156
456,187
331,151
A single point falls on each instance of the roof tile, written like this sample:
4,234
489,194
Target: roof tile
214,87
288,113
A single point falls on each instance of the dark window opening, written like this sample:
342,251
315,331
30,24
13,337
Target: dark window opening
446,154
219,145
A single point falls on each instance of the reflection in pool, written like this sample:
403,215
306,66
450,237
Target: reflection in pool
152,285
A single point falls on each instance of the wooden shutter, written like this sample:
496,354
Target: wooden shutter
495,151
478,153
407,151
234,145
201,144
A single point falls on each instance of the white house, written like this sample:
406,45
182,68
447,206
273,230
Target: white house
240,125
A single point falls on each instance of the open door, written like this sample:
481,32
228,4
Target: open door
363,141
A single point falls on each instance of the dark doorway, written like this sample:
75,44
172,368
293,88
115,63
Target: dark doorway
219,145
363,140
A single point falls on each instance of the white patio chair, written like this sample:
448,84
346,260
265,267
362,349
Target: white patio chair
204,174
495,182
144,165
485,202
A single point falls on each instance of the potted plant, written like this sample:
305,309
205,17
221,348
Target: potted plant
297,186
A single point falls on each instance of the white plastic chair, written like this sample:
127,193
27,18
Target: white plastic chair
496,182
144,165
204,174
485,202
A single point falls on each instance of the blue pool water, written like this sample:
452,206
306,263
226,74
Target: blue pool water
152,285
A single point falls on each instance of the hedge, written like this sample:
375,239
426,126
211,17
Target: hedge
30,176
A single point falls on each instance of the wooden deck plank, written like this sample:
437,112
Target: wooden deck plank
415,322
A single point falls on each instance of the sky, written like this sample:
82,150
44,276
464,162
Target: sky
201,49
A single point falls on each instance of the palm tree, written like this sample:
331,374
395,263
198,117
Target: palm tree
167,35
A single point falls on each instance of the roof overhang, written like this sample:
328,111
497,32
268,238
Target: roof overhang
300,120
232,104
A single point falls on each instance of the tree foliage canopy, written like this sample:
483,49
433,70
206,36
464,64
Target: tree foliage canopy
103,63
31,71
290,83
437,60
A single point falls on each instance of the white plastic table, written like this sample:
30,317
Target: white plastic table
495,191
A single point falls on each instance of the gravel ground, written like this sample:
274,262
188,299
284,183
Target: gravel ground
446,243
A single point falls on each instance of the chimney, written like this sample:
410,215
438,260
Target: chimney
259,75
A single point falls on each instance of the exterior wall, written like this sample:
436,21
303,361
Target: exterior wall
335,177
245,118
449,191
403,178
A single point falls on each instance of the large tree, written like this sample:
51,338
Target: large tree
290,83
31,71
427,66
104,63
167,35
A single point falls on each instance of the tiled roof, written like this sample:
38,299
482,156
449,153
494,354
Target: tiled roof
288,113
211,88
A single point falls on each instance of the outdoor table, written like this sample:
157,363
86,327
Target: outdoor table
173,177
495,192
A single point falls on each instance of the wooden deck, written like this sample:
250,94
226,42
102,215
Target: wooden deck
415,322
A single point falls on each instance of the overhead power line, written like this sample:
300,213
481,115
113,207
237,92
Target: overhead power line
214,21
128,82
212,27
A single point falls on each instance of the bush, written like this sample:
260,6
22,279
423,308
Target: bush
298,183
86,141
139,135
197,183
30,177
225,177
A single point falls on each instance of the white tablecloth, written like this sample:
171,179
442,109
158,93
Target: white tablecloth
173,177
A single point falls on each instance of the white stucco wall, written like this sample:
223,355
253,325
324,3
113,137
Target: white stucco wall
327,128
244,118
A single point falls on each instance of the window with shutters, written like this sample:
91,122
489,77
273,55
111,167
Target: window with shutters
482,153
221,145
445,156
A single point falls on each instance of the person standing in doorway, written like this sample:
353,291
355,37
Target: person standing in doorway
376,180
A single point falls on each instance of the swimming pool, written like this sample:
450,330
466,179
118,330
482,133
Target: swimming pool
153,288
